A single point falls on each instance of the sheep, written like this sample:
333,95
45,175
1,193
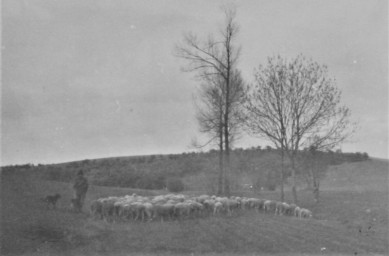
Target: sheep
159,200
108,205
218,207
163,211
201,199
281,208
257,204
305,213
96,208
290,210
196,208
231,205
139,210
209,205
118,208
149,210
224,202
181,210
245,203
178,206
269,206
125,211
297,211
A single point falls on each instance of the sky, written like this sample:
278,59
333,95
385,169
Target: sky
98,78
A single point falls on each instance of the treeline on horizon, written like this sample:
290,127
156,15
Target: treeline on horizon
254,168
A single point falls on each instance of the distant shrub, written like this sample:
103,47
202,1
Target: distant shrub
175,185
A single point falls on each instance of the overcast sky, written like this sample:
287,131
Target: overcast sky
93,78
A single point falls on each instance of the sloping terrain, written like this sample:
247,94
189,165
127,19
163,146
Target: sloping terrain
346,221
358,176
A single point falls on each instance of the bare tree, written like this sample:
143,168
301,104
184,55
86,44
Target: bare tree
214,61
295,105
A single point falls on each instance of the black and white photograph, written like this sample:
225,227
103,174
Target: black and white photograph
194,127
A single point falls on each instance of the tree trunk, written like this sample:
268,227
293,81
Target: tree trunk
316,193
220,187
315,178
316,186
294,192
220,176
282,176
316,190
227,151
226,179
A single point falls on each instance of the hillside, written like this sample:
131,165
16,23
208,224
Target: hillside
367,175
347,221
256,167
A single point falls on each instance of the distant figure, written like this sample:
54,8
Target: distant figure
80,188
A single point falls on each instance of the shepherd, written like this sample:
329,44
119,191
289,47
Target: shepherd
80,188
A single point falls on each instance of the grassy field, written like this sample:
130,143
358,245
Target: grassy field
351,219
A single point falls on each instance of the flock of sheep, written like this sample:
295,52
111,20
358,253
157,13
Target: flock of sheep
178,206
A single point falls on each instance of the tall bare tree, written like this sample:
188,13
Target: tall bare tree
214,61
295,105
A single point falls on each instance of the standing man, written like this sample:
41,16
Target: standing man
80,188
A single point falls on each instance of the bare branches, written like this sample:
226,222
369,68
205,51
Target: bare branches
294,104
219,111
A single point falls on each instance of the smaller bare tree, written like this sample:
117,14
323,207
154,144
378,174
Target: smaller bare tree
295,105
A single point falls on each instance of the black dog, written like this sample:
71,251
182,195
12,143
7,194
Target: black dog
75,205
51,200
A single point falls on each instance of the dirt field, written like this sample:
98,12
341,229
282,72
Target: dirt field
351,219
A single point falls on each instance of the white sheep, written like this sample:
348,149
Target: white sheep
305,213
218,207
96,209
281,208
269,206
297,212
209,205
